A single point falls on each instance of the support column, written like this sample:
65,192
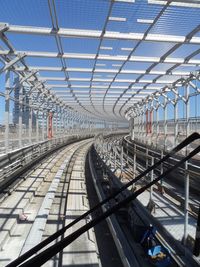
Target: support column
147,122
165,123
143,127
138,125
152,124
56,122
152,173
132,129
187,177
7,110
161,167
43,126
30,121
60,122
50,131
175,121
20,115
187,106
37,126
134,162
65,122
157,127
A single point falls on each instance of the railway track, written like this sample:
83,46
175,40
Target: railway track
126,234
172,188
144,155
127,174
13,207
70,202
65,199
37,206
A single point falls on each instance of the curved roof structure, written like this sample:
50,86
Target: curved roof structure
100,57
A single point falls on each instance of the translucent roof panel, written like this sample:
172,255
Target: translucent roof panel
177,20
87,14
29,42
48,61
25,12
76,63
132,12
155,49
102,56
75,45
185,50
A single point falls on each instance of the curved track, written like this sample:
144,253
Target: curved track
51,197
39,205
173,187
126,172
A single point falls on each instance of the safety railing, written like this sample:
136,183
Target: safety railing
14,142
14,163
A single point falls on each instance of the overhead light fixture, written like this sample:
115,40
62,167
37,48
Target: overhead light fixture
116,65
183,3
119,19
149,21
126,49
100,64
106,47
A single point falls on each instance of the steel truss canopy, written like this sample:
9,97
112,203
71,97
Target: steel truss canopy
100,57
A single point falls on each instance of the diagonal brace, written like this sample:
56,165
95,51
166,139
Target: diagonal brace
12,62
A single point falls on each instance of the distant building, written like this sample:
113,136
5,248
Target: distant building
25,108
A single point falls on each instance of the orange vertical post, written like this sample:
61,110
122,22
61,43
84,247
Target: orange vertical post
50,126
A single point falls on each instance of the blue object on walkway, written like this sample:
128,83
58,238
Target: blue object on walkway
159,261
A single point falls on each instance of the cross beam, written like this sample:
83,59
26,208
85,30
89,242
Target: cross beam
80,33
104,57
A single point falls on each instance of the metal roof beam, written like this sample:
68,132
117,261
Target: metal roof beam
88,70
106,86
105,80
174,84
65,32
105,57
